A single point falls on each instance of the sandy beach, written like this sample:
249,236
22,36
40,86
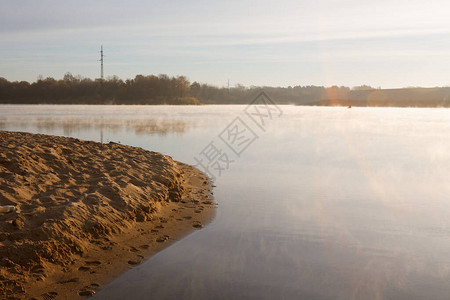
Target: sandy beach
86,212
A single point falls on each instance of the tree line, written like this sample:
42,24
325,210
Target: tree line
71,89
162,89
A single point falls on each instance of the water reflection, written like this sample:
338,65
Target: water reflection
71,125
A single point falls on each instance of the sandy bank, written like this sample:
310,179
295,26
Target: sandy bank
88,211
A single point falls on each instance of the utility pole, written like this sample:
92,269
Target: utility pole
101,62
228,86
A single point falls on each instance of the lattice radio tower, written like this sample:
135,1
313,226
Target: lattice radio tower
101,62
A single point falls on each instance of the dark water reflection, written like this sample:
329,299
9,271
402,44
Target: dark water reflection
328,203
73,126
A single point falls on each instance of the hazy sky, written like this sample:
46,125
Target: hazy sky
383,43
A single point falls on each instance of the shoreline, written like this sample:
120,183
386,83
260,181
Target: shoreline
87,212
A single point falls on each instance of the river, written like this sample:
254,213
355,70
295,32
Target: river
314,202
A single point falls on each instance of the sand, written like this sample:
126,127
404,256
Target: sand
87,212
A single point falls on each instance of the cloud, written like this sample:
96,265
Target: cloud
146,36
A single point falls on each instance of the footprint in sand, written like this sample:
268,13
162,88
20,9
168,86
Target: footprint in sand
75,279
134,262
162,239
93,263
49,295
197,224
86,293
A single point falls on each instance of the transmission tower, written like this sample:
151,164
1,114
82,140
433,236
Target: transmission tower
101,62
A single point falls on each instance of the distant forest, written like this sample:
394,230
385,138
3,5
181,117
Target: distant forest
163,89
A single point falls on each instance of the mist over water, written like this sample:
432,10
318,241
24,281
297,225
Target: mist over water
327,203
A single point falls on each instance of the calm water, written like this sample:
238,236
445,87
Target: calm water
327,203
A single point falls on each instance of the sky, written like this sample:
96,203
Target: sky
383,43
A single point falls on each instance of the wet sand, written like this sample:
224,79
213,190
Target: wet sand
87,212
